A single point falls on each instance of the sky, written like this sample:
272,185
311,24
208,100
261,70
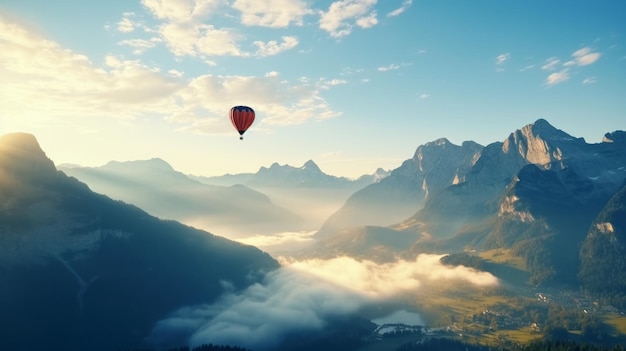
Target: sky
352,84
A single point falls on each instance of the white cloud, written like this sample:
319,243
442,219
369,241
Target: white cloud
583,57
41,81
140,45
367,21
405,5
551,64
273,47
590,80
424,96
277,101
186,32
375,280
126,25
557,77
502,58
176,73
303,295
337,20
262,315
272,13
335,82
327,84
200,39
390,67
181,10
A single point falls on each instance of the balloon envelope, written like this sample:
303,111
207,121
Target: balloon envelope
242,118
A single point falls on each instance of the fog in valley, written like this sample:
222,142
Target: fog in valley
291,257
302,296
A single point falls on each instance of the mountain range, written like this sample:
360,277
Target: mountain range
537,193
81,271
84,266
153,185
279,198
309,175
307,190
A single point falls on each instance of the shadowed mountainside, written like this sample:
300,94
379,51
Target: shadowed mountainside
82,271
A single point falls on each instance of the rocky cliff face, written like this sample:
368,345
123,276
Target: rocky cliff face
584,171
537,193
434,166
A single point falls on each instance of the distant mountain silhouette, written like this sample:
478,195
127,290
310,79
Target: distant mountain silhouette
80,271
156,187
306,190
309,175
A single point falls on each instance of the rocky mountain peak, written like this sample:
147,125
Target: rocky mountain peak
439,142
617,137
311,166
441,153
537,143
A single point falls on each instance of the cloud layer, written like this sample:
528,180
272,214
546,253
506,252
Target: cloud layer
42,79
184,30
301,296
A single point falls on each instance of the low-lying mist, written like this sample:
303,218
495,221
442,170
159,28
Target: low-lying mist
302,296
387,280
282,243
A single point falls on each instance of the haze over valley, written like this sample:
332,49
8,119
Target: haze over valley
515,226
342,175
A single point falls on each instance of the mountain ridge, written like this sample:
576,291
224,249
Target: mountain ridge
534,193
154,185
283,175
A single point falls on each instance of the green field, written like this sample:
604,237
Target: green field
503,256
440,308
618,321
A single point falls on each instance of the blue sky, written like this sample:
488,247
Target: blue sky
352,84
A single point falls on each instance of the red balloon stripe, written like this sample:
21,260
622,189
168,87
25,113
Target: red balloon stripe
242,118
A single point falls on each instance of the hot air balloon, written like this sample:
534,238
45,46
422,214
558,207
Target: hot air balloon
242,118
